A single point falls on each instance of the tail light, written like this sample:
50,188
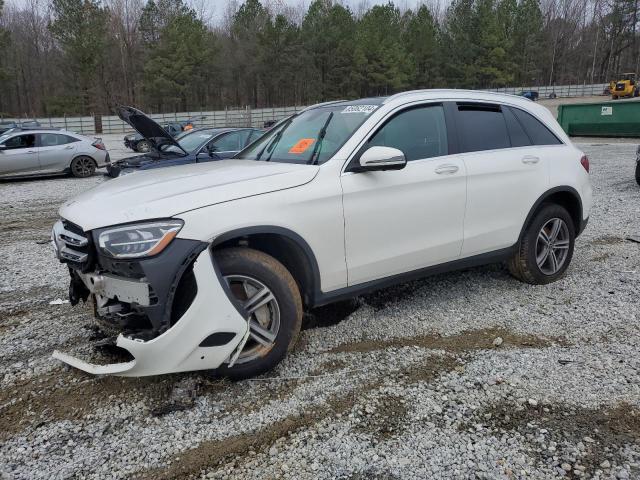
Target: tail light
584,161
99,145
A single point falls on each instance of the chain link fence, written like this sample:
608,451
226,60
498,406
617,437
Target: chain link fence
250,117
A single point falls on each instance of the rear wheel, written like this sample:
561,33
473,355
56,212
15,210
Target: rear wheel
638,172
546,248
271,297
143,146
82,167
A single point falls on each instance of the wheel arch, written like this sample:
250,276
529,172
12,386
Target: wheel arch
78,155
566,196
284,245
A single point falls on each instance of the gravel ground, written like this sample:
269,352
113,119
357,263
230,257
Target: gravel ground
464,375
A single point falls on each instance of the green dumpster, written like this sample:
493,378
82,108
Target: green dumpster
619,118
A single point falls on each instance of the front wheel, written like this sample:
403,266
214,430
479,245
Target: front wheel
270,295
83,167
546,248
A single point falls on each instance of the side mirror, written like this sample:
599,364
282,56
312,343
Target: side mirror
382,158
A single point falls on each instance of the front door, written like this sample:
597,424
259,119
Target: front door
404,220
19,155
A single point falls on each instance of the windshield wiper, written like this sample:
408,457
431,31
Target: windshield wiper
274,141
313,159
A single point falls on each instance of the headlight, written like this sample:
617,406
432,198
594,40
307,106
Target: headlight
139,240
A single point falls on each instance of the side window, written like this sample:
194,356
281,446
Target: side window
419,132
519,137
481,127
537,131
21,141
230,142
53,139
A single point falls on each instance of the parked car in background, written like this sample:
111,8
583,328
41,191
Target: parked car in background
194,146
211,266
33,152
530,94
138,143
30,124
6,126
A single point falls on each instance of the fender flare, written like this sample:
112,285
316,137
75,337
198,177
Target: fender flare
284,232
561,189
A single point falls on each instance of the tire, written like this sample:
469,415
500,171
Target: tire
142,146
525,266
83,167
638,172
257,269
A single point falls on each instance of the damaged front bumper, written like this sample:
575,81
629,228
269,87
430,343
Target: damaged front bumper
210,330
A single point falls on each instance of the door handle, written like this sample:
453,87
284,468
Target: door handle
446,169
70,147
530,159
31,151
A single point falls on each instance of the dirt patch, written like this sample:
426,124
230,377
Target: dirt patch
215,452
328,367
73,395
389,420
602,431
602,258
607,240
464,342
386,419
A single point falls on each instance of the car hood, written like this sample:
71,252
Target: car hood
150,130
166,192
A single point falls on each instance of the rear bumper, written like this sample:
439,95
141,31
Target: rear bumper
205,336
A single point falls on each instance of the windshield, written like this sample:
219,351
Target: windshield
190,141
313,136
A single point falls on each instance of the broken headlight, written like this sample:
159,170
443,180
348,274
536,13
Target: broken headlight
138,240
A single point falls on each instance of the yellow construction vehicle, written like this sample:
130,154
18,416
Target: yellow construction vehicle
625,87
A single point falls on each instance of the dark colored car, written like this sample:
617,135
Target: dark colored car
530,94
138,143
193,146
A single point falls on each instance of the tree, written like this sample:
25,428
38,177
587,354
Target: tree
175,72
80,26
328,35
380,59
421,43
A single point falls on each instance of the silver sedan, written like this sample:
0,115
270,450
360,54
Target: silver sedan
26,153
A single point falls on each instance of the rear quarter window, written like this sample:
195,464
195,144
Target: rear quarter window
538,132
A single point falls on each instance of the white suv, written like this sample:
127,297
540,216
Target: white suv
210,266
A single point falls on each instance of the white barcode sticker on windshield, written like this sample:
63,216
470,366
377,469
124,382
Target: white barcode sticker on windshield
366,109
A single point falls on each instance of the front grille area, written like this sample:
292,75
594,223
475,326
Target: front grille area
73,245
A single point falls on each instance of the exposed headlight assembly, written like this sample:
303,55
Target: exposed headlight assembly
138,240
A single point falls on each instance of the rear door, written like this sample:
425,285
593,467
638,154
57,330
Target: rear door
506,174
19,155
55,151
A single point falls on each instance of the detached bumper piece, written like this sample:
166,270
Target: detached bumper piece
192,342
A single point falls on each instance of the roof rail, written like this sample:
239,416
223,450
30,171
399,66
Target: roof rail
448,90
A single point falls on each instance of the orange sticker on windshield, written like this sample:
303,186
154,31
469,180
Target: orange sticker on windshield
302,145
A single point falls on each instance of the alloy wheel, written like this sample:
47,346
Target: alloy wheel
83,167
264,320
552,246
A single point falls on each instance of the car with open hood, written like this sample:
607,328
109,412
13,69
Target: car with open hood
211,266
136,142
194,146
